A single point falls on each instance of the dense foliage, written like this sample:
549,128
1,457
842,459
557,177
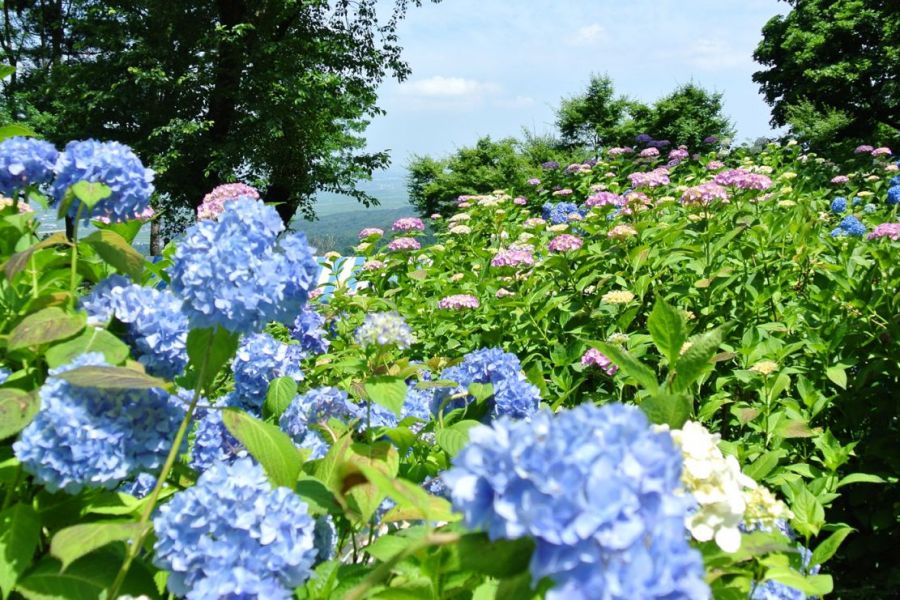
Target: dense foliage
830,71
646,378
278,93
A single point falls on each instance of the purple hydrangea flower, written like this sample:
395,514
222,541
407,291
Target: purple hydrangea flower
408,224
459,302
404,244
595,358
565,243
214,202
888,230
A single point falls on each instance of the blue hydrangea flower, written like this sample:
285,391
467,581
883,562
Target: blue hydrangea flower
115,166
233,273
155,328
868,209
850,226
839,205
313,407
559,212
893,195
232,535
96,437
436,487
213,443
774,590
895,180
140,486
384,329
309,331
4,375
325,538
597,489
25,162
513,395
260,359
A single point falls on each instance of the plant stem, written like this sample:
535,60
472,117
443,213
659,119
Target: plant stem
74,266
135,546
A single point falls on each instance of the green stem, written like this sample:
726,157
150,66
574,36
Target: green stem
138,541
74,265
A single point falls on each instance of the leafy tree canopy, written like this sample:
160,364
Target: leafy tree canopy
832,70
277,93
686,116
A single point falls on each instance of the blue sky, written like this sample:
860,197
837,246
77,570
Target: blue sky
490,67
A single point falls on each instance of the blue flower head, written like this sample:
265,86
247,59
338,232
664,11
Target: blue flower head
309,331
384,329
261,358
839,205
775,590
893,194
559,212
513,395
315,407
25,162
234,273
895,180
4,375
115,166
88,437
140,486
851,226
155,328
597,489
233,536
213,443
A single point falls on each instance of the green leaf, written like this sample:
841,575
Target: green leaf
696,359
668,409
389,392
91,340
269,445
413,503
18,260
762,466
630,365
71,543
481,391
6,71
90,192
17,409
386,547
812,585
15,129
367,496
281,391
20,531
86,579
454,438
45,326
112,378
117,252
825,550
809,515
667,329
500,559
837,375
853,478
211,348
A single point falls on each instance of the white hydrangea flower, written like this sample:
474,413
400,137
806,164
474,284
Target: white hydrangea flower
717,484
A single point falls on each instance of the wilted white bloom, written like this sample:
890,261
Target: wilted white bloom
460,217
617,297
461,230
456,277
763,508
558,228
619,339
765,367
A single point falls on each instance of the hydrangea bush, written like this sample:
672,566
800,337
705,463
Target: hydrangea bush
653,374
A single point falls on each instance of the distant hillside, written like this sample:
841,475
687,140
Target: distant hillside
338,231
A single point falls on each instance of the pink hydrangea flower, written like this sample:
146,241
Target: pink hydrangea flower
863,149
534,181
620,151
404,244
604,199
704,194
459,302
436,217
654,178
408,224
214,202
372,265
510,257
520,201
838,179
534,222
743,179
714,165
370,232
565,243
143,216
883,151
563,192
595,358
649,153
888,230
679,153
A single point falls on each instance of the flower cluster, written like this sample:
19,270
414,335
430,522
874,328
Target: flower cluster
604,199
115,166
512,395
384,329
261,358
619,151
403,244
648,153
155,328
25,162
213,443
459,302
839,179
704,194
888,230
512,257
96,437
308,330
743,179
214,202
596,488
679,153
561,212
370,232
838,205
408,224
595,358
850,227
565,243
655,178
617,297
621,232
233,273
233,535
893,194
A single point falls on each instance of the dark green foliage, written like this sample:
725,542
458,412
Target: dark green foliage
687,116
831,71
277,93
598,117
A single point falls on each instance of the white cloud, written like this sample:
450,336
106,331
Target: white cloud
715,54
589,35
448,87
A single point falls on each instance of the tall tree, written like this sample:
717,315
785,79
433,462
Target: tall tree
598,116
277,92
686,116
832,69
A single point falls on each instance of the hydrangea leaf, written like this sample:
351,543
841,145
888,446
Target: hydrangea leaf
630,365
667,330
269,445
20,530
91,340
500,558
71,543
112,378
813,585
18,260
90,192
45,326
389,392
454,438
117,252
696,359
668,409
210,348
281,391
829,546
17,409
